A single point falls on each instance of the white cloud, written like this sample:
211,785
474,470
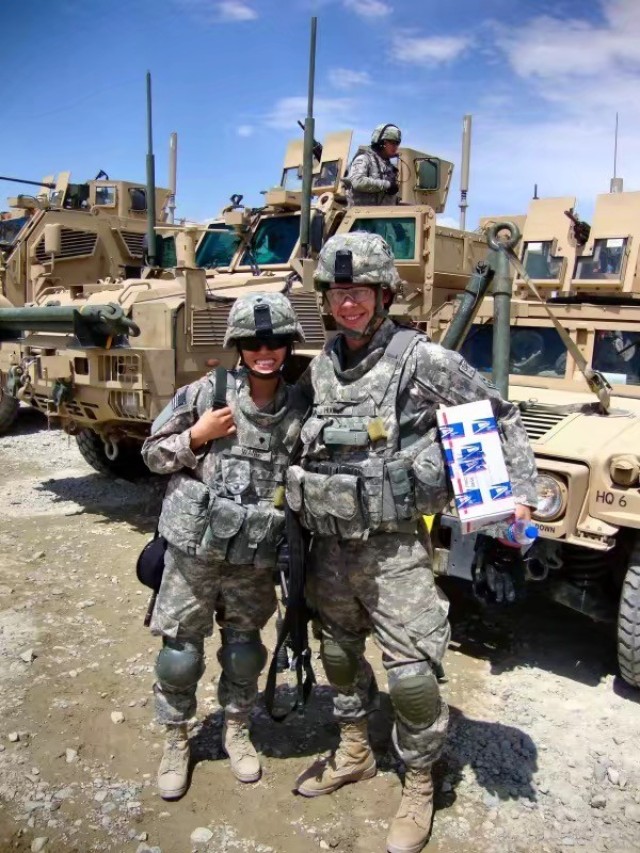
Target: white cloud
209,12
427,50
448,221
346,78
330,113
368,8
236,10
245,130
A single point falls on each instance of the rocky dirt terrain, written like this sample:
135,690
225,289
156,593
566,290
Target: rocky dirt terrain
543,747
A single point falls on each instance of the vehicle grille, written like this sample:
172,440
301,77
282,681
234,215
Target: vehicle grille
119,368
538,421
73,244
133,240
72,408
118,403
208,325
306,307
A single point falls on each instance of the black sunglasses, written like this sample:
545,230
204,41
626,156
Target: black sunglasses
271,343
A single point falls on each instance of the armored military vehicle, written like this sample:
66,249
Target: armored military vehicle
587,445
66,235
107,388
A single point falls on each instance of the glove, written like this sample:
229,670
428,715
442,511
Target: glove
498,572
394,189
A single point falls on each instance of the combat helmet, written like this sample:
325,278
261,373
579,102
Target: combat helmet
358,258
261,315
386,132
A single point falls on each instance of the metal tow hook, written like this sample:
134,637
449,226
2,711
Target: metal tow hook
111,449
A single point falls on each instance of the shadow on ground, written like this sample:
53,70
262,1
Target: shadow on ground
536,632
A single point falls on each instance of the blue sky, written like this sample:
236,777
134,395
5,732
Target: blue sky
543,81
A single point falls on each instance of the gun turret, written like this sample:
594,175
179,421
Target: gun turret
94,325
46,184
580,229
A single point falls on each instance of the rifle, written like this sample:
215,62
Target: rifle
317,146
581,229
295,624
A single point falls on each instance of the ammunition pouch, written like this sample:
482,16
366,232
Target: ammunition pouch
185,513
351,501
432,487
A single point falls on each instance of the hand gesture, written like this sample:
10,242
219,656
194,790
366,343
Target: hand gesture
214,423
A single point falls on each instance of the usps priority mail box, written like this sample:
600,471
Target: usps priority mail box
471,443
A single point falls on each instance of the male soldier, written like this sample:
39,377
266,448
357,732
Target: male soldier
371,464
372,178
223,521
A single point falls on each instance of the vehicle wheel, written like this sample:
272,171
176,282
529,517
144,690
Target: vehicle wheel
8,411
128,464
629,620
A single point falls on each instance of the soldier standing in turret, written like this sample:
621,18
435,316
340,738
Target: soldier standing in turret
223,519
372,178
371,464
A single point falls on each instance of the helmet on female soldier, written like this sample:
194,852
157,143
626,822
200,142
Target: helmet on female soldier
356,258
262,315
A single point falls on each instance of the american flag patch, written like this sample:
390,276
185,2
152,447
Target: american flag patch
180,397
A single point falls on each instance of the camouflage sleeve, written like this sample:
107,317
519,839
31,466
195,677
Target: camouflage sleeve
440,376
304,388
362,180
167,449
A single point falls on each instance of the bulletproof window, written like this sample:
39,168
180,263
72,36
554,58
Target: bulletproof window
428,173
217,247
106,196
617,355
540,263
533,350
137,199
292,178
328,174
9,230
399,233
274,241
166,252
605,262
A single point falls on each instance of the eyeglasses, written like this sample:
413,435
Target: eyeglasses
270,343
335,298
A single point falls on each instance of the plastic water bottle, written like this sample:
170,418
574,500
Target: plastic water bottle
521,533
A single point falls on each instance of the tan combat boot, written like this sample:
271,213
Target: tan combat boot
245,764
352,761
412,824
173,773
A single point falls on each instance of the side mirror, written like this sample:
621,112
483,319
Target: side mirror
428,174
316,230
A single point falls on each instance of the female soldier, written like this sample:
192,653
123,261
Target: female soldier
222,519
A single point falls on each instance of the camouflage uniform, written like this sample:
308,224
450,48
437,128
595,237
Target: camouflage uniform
195,584
369,179
372,464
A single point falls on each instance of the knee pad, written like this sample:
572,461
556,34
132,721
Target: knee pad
242,661
340,664
416,698
179,665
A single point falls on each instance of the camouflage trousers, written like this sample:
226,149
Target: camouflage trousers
384,586
193,591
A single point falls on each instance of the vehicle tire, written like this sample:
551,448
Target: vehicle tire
8,411
128,464
629,620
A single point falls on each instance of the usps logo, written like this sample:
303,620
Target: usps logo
469,499
473,464
448,455
449,431
499,491
471,449
483,425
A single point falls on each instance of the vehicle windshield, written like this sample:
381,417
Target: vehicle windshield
398,232
273,241
617,355
534,351
606,261
540,263
217,247
9,230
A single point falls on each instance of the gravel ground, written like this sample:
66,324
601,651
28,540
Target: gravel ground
542,753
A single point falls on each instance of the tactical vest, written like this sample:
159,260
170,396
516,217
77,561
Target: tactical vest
237,515
353,479
378,168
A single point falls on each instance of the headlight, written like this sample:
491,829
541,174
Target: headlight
551,498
